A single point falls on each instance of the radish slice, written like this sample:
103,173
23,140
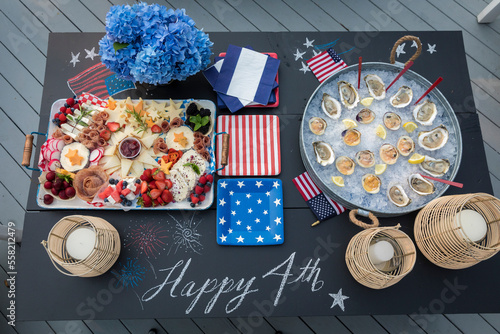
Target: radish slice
46,154
60,144
55,155
43,165
54,164
96,155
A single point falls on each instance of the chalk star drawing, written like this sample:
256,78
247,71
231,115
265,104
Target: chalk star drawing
308,43
186,236
431,49
148,239
400,49
304,68
299,55
338,299
316,53
74,58
414,44
91,53
129,274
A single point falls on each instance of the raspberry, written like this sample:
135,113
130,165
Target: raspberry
210,178
198,190
62,118
206,189
68,111
70,101
194,199
203,180
62,109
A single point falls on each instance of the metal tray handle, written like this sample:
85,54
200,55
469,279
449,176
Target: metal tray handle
224,157
28,149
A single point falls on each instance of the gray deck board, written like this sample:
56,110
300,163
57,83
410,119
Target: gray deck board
471,323
360,324
28,22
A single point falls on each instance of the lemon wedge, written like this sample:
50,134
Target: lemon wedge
349,123
416,159
367,101
380,131
380,169
338,180
410,127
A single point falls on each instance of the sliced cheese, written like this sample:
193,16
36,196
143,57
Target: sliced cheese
125,164
137,168
148,141
144,157
112,170
118,136
112,162
110,150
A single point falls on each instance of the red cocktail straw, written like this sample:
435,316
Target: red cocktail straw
359,70
430,88
451,183
400,74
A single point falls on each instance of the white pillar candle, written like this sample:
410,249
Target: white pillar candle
80,243
474,226
380,252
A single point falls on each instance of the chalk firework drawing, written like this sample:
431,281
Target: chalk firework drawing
186,236
149,239
130,274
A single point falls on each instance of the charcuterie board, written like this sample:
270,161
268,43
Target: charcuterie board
128,154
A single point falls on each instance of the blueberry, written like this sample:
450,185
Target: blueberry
125,184
106,200
111,181
122,197
189,199
192,205
66,105
208,184
72,109
138,181
200,184
195,195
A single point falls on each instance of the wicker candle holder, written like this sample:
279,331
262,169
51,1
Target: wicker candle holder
442,236
380,275
101,257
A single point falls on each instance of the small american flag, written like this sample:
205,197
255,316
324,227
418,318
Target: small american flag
254,147
99,81
322,206
325,64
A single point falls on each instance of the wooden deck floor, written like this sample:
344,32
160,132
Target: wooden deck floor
25,26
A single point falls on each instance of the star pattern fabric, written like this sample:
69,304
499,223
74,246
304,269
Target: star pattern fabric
250,212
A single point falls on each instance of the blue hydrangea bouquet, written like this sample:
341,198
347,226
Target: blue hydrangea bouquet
152,44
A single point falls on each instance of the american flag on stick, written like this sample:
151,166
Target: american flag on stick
322,206
325,64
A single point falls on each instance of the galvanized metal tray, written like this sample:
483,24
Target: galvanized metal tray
352,195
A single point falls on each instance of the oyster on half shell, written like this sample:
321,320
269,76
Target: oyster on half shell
397,196
348,94
317,125
365,159
435,167
331,106
405,145
371,183
375,86
389,154
425,112
345,165
392,121
434,139
324,153
420,185
402,98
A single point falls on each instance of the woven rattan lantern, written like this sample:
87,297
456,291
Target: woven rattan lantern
459,231
83,246
375,270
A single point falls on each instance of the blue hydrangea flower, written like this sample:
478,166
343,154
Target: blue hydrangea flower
163,44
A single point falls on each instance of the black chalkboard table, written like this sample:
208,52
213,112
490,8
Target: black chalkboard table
192,276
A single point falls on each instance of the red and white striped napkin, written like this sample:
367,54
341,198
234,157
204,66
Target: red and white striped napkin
254,147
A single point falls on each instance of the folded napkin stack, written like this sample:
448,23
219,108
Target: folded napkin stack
243,77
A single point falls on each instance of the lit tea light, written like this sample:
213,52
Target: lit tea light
380,252
80,243
473,225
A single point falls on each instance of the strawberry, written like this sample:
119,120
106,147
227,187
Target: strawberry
144,187
206,189
153,171
113,126
202,198
105,134
147,174
202,180
169,183
152,185
161,185
62,118
155,202
146,200
159,175
167,196
143,177
160,201
198,190
155,128
155,193
194,199
70,101
210,178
